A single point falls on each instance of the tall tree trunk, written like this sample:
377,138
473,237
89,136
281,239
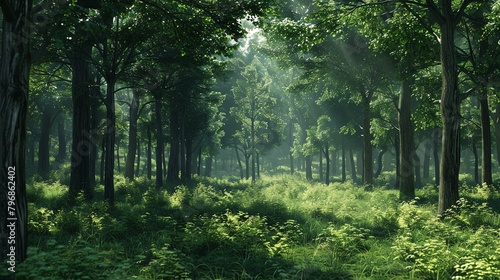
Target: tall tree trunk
485,137
252,131
208,166
327,157
427,158
367,145
81,143
309,175
397,149
476,163
132,136
95,94
353,165
138,164
292,169
159,142
321,164
109,183
61,137
149,155
450,112
418,179
344,176
380,162
258,165
118,156
435,155
198,167
14,85
247,166
103,162
44,143
173,160
189,159
496,123
406,142
239,161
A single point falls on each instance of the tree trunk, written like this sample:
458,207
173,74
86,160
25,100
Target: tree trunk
61,137
14,85
149,163
367,145
189,159
353,165
258,165
138,164
118,156
397,149
450,112
435,155
103,162
380,162
247,166
496,122
132,136
252,131
406,142
476,163
81,142
95,93
309,175
327,157
418,179
159,142
427,159
109,184
44,143
344,175
239,161
208,166
485,137
198,170
173,160
321,164
292,169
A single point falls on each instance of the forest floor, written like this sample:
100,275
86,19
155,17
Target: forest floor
281,227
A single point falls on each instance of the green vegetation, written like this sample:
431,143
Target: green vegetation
280,227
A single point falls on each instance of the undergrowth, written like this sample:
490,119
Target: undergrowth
281,227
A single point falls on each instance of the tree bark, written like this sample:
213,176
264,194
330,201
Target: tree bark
109,184
321,164
44,142
427,158
406,142
353,165
450,112
309,175
14,85
159,142
61,137
81,142
132,136
173,160
149,154
344,175
485,137
327,157
476,163
435,155
367,144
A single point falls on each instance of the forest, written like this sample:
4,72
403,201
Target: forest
249,139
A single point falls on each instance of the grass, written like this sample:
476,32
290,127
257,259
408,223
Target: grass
281,227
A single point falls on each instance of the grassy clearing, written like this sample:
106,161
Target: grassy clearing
282,227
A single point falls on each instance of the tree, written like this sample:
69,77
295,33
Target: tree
254,106
14,86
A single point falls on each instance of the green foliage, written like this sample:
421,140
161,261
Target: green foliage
344,242
281,227
165,263
75,261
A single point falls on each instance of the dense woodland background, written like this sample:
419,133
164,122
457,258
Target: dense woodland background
218,139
